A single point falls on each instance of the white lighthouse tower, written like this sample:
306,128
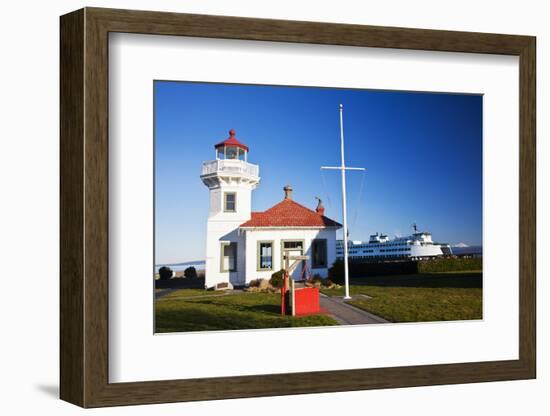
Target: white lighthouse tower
230,180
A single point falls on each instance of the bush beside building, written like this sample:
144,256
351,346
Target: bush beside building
450,265
359,269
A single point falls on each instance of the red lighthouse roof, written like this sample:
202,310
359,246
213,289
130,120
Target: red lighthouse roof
232,141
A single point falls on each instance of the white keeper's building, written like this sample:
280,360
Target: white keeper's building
242,245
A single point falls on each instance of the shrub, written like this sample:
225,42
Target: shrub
450,265
263,284
316,281
327,283
277,279
317,277
190,273
366,269
336,272
260,285
165,273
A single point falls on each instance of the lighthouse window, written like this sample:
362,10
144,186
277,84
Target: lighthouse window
231,152
319,253
241,154
228,257
265,255
229,202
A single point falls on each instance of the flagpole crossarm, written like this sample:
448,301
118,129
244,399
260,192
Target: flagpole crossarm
340,168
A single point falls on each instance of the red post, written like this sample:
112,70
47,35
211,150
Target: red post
283,300
283,292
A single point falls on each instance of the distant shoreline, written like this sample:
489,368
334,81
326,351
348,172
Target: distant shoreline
199,265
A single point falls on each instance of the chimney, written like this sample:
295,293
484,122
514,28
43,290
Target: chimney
288,191
320,208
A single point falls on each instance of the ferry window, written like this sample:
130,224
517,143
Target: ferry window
228,257
229,202
265,255
319,253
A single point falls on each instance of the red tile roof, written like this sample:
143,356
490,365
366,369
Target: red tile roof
288,213
232,141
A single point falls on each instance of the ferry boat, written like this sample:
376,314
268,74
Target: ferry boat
418,245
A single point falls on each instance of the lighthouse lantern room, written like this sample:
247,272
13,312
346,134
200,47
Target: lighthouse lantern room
231,149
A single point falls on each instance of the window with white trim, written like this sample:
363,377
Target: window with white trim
229,202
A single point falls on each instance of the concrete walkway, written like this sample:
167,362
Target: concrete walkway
346,314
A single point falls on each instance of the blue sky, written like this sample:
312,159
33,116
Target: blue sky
422,151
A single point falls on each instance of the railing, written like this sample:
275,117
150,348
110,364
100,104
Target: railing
230,166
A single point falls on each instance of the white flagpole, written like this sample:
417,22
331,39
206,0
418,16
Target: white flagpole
343,169
344,208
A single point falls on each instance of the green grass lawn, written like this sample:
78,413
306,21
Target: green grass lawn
179,313
186,293
420,297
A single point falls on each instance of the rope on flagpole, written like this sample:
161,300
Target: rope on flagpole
359,197
326,189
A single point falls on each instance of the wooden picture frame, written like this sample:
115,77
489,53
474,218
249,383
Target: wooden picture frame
84,207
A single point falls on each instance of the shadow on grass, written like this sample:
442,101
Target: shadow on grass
269,308
425,280
272,309
200,319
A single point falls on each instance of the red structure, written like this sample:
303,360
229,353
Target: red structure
302,301
306,301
